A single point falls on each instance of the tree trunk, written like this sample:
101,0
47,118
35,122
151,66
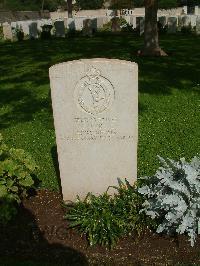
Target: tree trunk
69,8
151,45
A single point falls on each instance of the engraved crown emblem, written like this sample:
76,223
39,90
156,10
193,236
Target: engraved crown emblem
94,93
93,73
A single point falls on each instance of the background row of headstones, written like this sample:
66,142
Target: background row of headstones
32,28
173,24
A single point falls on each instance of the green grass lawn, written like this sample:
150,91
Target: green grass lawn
169,96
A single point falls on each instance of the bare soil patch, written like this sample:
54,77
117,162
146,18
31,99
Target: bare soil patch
40,234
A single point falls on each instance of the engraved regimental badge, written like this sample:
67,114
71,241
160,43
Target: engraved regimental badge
94,94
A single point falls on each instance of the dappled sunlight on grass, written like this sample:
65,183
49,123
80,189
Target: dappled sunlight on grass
169,95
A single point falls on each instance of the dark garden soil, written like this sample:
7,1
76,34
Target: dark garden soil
40,234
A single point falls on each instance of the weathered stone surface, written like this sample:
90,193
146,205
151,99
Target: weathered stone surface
95,106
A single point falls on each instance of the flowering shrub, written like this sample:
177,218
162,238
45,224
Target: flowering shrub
173,196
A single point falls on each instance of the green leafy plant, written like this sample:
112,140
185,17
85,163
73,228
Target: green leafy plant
104,219
16,179
119,21
128,204
94,217
173,197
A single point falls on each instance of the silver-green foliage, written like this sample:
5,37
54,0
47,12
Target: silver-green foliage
16,178
173,196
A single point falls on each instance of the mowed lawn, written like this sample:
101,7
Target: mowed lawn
169,96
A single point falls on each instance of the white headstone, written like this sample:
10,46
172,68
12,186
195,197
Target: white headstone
22,25
95,107
198,25
185,10
79,23
186,21
133,21
196,10
172,25
193,19
7,31
65,22
100,22
180,23
60,28
25,26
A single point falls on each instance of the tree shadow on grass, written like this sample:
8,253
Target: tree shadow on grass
24,69
161,77
19,105
24,243
180,70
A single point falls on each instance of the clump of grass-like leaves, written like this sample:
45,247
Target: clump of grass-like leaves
104,219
